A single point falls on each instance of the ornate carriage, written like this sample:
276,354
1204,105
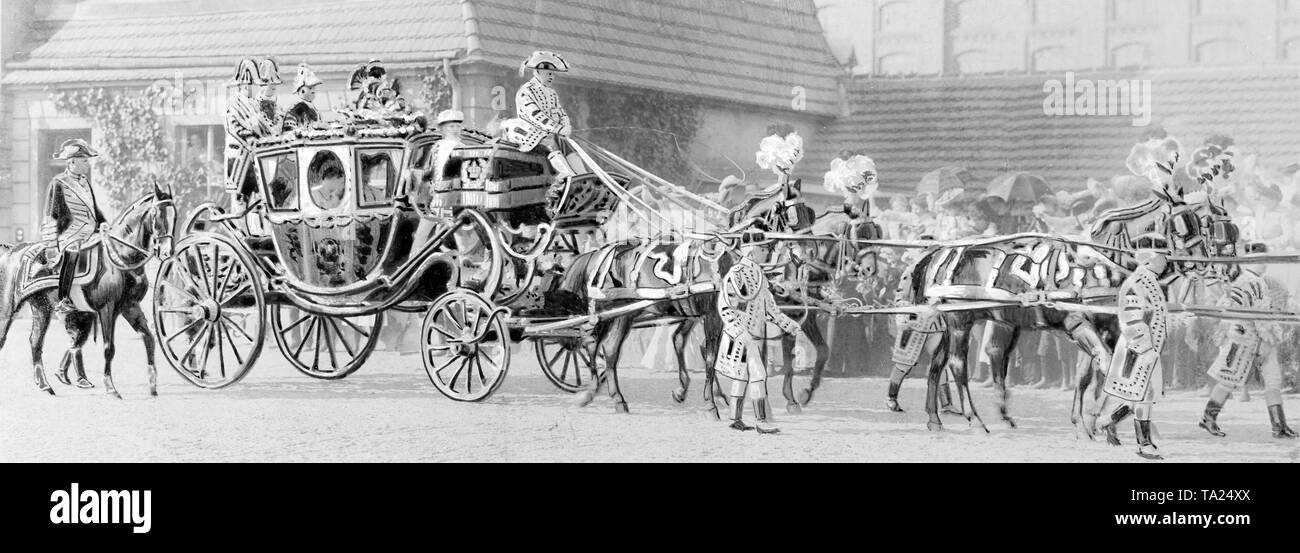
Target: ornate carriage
351,221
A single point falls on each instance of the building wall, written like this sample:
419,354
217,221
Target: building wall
929,37
727,131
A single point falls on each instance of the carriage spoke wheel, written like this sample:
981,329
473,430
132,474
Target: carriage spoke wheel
566,362
465,346
209,311
320,346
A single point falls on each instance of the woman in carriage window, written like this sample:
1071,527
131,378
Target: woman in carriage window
328,181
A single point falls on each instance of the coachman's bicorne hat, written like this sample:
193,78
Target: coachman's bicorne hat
549,61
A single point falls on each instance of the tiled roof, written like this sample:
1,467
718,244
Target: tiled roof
996,124
751,51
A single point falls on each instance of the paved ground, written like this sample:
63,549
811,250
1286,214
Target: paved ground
388,411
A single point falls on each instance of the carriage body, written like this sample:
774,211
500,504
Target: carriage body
333,208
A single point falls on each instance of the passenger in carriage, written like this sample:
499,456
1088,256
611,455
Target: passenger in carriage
451,123
244,124
268,73
540,116
303,114
327,180
365,82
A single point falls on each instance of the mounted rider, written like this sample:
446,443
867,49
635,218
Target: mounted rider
540,116
72,215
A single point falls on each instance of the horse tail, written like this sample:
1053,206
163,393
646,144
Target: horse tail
8,281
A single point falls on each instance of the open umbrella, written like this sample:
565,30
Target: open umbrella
944,178
1019,187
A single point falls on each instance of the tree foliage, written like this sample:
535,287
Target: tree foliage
650,128
134,148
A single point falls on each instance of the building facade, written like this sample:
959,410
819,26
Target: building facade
971,83
746,64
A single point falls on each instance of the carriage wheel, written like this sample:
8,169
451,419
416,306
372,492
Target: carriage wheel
566,362
209,311
320,346
478,254
465,346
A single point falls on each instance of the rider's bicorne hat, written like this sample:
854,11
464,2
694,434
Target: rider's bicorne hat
75,148
549,61
268,72
246,73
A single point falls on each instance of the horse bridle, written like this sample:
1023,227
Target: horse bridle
158,241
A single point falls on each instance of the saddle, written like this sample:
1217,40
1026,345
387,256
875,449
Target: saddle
34,276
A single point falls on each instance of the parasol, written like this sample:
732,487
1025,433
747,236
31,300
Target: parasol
1019,187
945,178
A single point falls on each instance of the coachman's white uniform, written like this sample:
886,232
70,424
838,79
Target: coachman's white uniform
1244,346
746,306
1135,366
542,116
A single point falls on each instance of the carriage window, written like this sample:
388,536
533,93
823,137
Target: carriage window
327,179
378,177
280,172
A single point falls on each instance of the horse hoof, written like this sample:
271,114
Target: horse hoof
679,395
46,389
84,384
621,408
711,414
153,393
893,406
951,411
114,394
584,398
934,426
1010,422
793,408
804,396
63,379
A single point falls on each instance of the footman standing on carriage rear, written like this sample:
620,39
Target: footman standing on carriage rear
72,215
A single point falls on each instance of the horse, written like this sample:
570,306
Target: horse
679,274
1042,274
119,284
814,276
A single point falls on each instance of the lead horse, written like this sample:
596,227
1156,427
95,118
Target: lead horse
1046,282
117,287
